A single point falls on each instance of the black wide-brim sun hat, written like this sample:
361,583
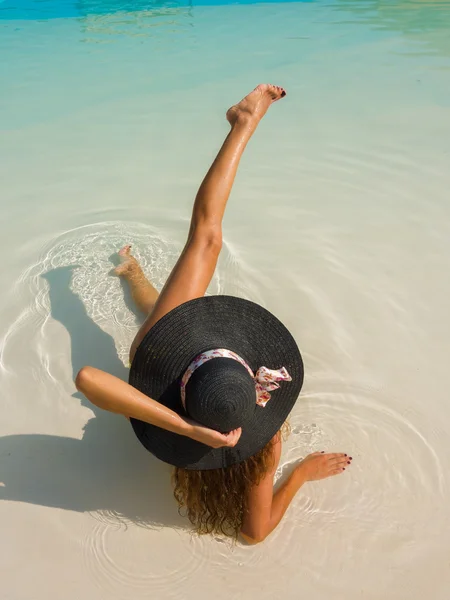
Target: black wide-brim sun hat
177,339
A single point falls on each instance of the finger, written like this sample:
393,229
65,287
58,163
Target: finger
337,471
338,467
227,438
336,456
339,460
233,437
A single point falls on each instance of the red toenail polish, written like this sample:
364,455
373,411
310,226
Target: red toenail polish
348,462
283,94
343,468
351,458
345,455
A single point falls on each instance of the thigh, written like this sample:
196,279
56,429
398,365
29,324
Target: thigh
189,279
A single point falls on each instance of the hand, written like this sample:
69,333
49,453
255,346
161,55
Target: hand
211,437
320,465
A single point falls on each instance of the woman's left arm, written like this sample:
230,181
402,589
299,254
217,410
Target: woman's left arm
117,396
266,509
257,521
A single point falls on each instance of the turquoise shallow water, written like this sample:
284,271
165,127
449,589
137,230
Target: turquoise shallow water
33,10
339,222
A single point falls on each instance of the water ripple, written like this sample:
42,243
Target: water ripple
89,253
111,557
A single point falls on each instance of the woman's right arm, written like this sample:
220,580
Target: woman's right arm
117,396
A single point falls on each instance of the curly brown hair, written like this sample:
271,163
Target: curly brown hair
215,501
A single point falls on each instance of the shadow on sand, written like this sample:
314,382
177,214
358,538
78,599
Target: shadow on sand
107,471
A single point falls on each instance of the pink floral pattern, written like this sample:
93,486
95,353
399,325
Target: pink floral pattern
265,379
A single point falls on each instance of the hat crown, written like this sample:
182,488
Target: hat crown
220,394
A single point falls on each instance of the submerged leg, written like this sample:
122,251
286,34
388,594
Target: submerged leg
143,293
192,273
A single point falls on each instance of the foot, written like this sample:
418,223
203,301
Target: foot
128,262
253,107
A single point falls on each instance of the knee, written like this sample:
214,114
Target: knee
209,238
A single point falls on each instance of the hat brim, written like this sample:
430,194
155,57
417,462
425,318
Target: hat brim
188,330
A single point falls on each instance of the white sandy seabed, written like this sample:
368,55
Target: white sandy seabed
339,223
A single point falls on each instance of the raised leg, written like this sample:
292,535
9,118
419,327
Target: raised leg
192,273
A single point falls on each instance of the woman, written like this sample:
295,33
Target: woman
204,369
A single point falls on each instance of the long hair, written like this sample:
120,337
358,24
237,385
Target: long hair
216,501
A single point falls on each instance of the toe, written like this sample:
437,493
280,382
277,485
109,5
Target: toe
125,250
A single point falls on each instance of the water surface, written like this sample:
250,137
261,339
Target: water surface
339,223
